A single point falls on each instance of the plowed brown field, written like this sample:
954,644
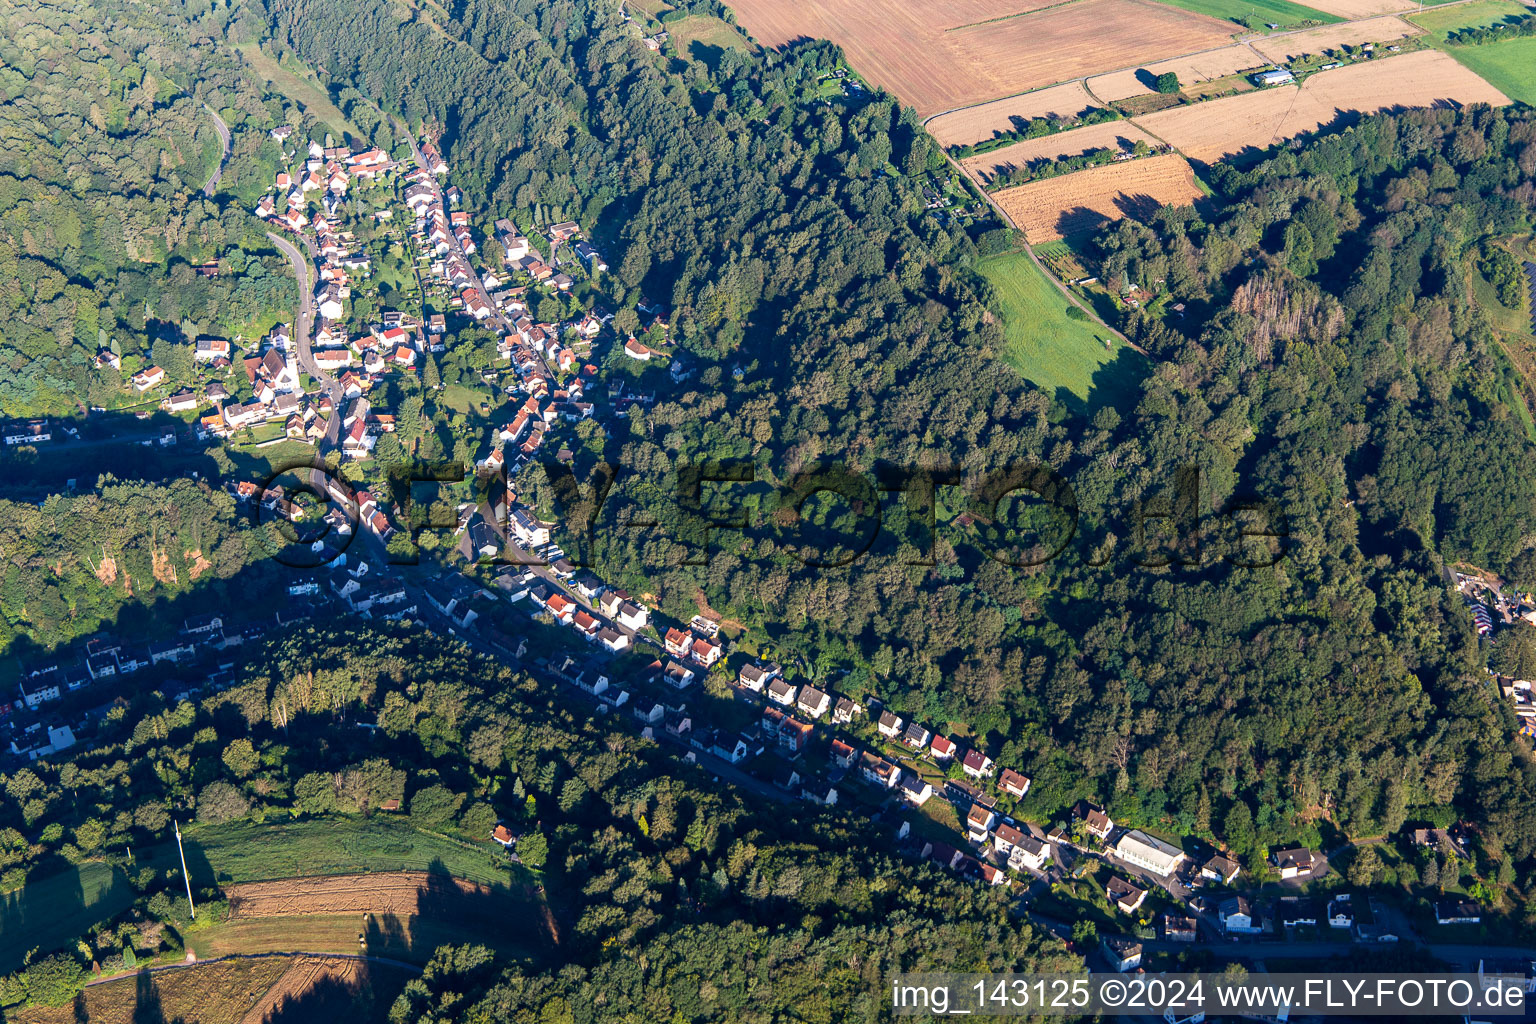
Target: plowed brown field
1197,67
313,985
977,124
1221,128
939,56
1110,135
1282,48
404,892
1084,200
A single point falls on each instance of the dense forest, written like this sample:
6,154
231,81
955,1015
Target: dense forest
670,896
108,141
1329,363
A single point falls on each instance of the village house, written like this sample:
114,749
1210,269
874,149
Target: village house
182,401
942,748
706,652
1457,911
1296,912
146,379
1124,896
786,730
1123,953
1237,916
1178,928
678,676
781,692
1029,852
844,710
878,771
1095,822
813,701
1012,783
979,822
1293,863
976,764
915,789
677,643
209,349
754,677
889,725
916,736
1219,869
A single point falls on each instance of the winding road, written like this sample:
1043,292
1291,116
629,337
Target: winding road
302,323
218,172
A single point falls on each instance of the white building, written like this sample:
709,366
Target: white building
1136,847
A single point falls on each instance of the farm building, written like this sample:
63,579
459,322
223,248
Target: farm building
1278,76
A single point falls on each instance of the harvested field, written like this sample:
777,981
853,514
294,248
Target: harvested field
315,988
1221,128
1362,8
1109,135
218,993
977,124
403,892
1281,48
938,56
1197,67
1082,201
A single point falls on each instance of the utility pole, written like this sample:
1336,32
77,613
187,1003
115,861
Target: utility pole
184,876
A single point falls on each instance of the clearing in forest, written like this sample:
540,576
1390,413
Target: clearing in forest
939,56
705,38
302,90
1192,69
1086,200
1255,121
980,123
1115,135
1064,355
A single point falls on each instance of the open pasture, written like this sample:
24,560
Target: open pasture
1085,200
1059,146
1363,8
940,56
977,124
1282,48
1226,127
1193,69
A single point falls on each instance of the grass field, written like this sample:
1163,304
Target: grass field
300,89
1050,348
1257,14
1509,66
1441,22
248,852
705,38
54,910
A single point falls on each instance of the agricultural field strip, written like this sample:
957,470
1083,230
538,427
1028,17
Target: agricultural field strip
1220,128
1271,40
1191,68
1053,207
337,894
1108,135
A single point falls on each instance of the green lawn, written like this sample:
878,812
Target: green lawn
1055,351
249,852
704,38
1441,22
1257,14
48,913
301,89
1510,66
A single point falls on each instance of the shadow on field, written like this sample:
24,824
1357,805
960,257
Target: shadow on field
362,995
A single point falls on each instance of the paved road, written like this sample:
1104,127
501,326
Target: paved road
218,172
485,293
302,323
